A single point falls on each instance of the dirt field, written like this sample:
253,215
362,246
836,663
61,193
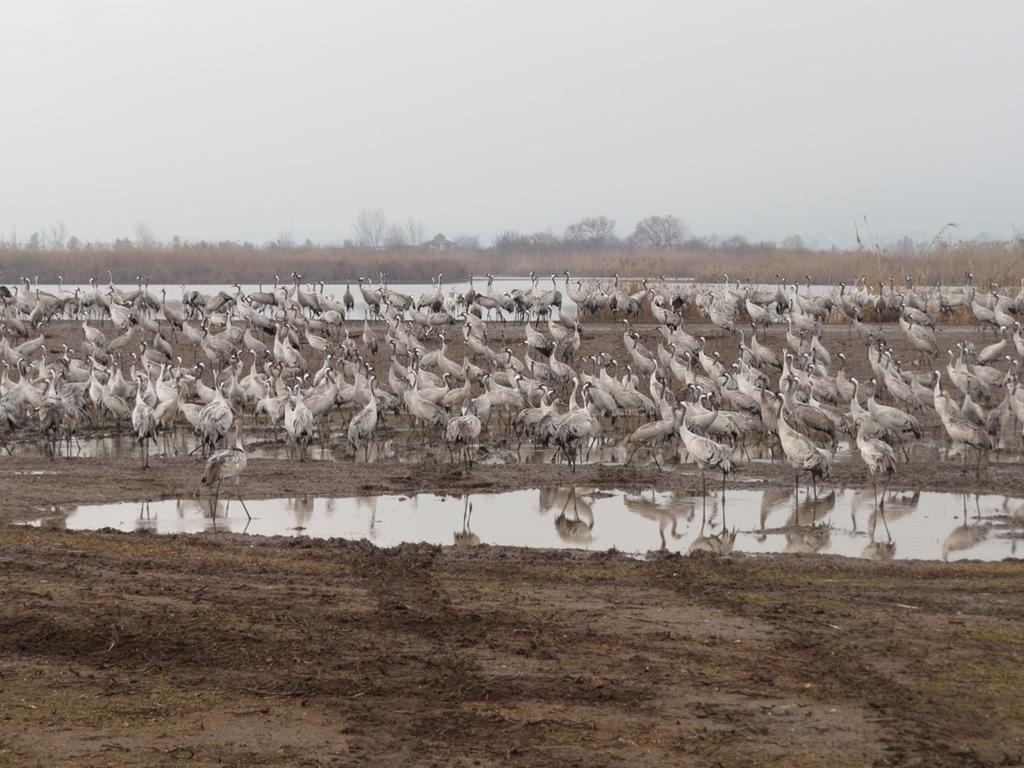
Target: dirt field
133,649
142,650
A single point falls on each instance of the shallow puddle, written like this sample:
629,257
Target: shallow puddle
929,526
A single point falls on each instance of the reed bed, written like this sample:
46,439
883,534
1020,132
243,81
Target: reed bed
1002,263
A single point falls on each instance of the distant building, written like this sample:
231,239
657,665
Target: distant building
440,242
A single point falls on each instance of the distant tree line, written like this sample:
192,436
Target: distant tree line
408,252
373,229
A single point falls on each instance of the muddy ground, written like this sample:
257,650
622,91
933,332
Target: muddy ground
120,649
133,649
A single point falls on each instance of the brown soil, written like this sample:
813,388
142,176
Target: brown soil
133,649
121,649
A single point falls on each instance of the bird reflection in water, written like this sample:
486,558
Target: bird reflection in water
56,517
771,500
146,521
804,532
965,536
895,506
466,537
302,507
811,511
879,550
577,529
720,543
667,516
808,541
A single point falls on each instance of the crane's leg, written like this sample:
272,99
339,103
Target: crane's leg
238,490
881,513
814,486
704,491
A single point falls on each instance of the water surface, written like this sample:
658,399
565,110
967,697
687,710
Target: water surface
925,525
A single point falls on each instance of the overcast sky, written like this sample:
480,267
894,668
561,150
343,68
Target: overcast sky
244,119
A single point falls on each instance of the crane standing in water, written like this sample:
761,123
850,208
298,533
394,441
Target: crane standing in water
224,465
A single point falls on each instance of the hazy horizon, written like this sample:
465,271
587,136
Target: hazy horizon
246,120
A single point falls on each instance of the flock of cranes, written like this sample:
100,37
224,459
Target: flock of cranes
298,360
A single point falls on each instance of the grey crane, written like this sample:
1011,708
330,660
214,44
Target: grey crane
461,434
879,458
226,464
705,453
144,422
802,454
362,425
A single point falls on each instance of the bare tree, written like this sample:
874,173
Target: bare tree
905,246
511,240
792,243
144,235
736,243
415,232
284,240
56,235
370,226
544,239
395,237
470,242
592,230
659,232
